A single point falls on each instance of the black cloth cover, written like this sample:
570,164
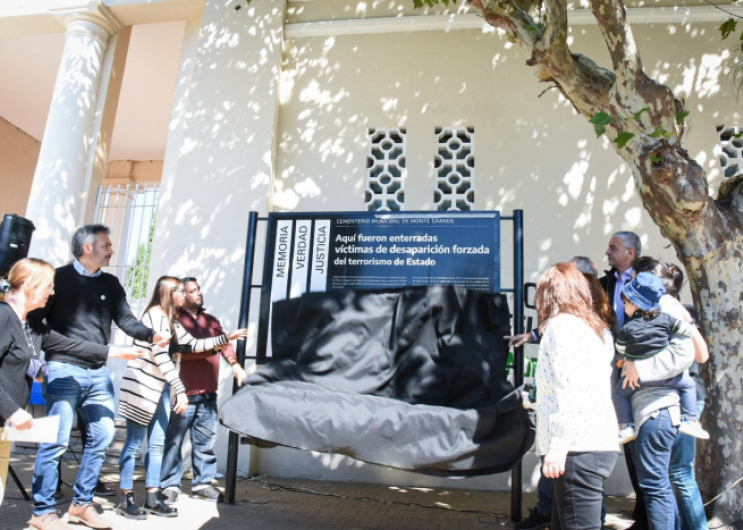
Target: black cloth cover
413,378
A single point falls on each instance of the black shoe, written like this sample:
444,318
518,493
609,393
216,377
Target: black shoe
535,521
129,509
639,525
169,496
210,493
155,505
101,490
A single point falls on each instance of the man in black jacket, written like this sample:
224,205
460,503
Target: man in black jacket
623,250
85,304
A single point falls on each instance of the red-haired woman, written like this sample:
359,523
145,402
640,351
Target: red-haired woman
576,423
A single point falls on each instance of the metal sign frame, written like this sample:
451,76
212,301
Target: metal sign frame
265,286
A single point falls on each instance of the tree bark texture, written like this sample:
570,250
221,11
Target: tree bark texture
707,233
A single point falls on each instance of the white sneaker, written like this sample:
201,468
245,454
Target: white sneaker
627,434
693,428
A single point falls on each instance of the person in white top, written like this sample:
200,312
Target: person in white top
576,423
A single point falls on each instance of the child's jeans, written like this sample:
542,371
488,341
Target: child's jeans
682,382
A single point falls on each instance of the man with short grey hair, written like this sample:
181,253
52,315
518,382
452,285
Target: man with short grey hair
585,265
623,250
85,303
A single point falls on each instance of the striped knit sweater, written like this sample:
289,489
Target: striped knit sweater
144,379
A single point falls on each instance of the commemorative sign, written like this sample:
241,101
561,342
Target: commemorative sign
309,252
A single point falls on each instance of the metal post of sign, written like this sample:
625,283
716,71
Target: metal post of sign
518,354
234,441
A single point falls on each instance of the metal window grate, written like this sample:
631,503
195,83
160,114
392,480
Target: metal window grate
130,212
385,170
455,169
731,158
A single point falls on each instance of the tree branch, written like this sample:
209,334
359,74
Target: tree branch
579,79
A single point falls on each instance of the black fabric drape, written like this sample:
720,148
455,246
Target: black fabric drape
412,378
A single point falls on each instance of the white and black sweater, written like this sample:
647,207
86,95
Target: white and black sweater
144,379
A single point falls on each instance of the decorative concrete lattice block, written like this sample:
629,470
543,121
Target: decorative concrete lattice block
455,168
731,159
385,170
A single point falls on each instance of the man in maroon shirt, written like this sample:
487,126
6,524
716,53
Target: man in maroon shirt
200,375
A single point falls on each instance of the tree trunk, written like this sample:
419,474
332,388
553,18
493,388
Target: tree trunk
718,293
708,237
646,124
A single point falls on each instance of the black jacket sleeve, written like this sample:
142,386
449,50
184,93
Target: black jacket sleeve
7,405
124,318
53,342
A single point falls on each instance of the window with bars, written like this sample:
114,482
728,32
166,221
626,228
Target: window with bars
385,170
130,212
455,169
731,158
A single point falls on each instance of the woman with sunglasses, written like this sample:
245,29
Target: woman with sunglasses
146,394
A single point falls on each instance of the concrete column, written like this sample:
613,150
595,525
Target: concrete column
220,157
58,188
107,106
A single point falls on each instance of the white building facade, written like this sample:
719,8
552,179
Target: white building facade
323,105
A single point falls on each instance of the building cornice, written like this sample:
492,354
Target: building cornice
90,12
469,21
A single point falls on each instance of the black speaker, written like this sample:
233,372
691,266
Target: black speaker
15,238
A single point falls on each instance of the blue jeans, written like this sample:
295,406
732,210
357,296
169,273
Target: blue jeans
683,382
690,505
68,388
135,435
201,418
652,455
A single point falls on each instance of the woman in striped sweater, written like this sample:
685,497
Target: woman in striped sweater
146,394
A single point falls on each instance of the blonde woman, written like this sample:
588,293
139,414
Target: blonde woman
146,393
576,423
28,287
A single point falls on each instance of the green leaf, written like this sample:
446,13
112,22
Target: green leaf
681,116
600,120
637,116
655,159
532,28
728,27
658,132
622,138
417,4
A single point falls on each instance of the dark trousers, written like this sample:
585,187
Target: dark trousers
577,494
544,497
639,513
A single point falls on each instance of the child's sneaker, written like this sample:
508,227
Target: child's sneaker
627,434
693,428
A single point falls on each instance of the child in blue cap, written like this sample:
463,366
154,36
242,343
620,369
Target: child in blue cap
647,333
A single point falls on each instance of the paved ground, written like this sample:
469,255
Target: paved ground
284,504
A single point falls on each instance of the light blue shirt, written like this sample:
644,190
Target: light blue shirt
82,271
618,302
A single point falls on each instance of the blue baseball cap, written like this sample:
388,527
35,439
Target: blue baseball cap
645,290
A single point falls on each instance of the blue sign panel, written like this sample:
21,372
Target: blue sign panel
377,250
